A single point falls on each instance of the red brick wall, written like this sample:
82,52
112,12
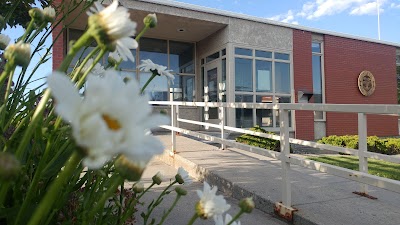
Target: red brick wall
302,66
59,38
344,60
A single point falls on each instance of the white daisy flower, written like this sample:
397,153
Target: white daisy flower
148,66
111,119
183,176
4,41
118,28
219,220
97,69
210,204
49,14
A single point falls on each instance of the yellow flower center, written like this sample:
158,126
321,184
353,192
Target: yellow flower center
113,124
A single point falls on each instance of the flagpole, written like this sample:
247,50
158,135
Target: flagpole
379,22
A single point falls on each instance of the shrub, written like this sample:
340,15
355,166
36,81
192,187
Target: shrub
388,146
261,142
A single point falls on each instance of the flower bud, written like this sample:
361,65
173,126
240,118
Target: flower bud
150,20
247,205
157,179
37,15
49,14
2,22
180,191
19,53
9,167
4,41
138,187
128,169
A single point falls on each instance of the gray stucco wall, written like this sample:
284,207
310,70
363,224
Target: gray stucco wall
260,34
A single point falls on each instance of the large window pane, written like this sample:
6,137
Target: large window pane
155,50
317,78
264,117
157,89
243,74
263,76
181,57
282,77
183,88
244,117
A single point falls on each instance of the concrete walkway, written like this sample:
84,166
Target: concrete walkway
320,198
185,208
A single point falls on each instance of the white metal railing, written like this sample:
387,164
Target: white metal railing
284,155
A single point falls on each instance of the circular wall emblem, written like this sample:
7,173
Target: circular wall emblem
366,83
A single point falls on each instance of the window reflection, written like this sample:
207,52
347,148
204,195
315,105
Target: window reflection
282,77
243,74
244,117
181,57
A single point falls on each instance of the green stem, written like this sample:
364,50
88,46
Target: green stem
77,72
8,90
28,31
10,67
148,82
236,217
82,41
117,180
54,189
96,60
3,193
178,196
35,119
145,28
132,203
157,202
194,218
32,188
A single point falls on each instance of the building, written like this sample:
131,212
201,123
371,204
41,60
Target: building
221,56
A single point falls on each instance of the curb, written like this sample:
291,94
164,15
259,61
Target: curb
226,186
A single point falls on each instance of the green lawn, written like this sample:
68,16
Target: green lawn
375,167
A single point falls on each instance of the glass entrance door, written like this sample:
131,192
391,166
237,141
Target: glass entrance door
212,91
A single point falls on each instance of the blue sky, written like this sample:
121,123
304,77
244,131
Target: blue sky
355,17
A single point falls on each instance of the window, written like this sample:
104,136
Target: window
261,77
177,56
317,76
243,74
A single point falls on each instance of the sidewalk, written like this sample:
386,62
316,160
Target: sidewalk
320,198
185,209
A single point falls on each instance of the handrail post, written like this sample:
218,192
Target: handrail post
362,149
284,208
222,118
173,133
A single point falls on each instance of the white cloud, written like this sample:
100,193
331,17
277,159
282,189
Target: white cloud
395,6
366,9
319,8
288,17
